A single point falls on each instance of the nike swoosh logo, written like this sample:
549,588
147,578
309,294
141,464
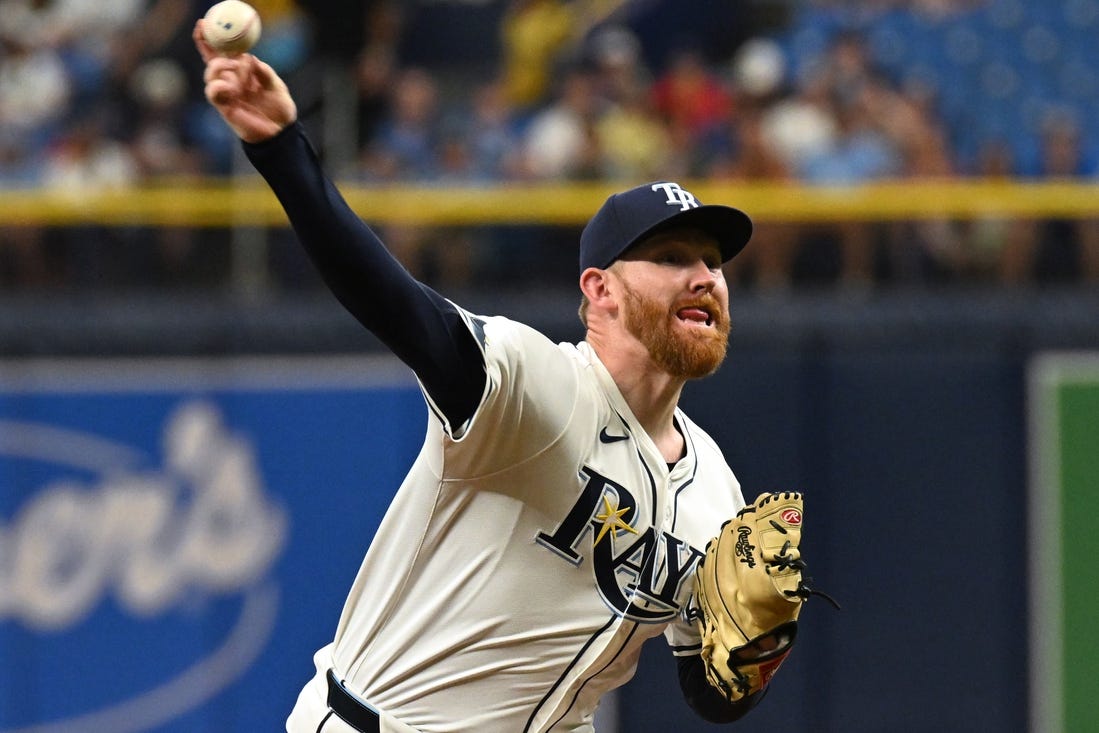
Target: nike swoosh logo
605,437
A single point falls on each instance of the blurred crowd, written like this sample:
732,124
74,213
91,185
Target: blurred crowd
109,94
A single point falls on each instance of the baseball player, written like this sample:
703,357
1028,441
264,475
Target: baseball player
558,511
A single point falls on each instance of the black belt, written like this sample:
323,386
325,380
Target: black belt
351,709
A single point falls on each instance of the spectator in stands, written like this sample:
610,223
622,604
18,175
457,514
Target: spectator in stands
159,142
990,243
846,68
479,145
1057,250
135,30
492,135
35,93
633,143
783,128
140,32
535,35
757,81
928,248
35,99
375,77
693,103
546,118
752,159
560,142
287,34
155,124
376,68
614,54
35,30
861,149
632,138
23,259
87,158
406,146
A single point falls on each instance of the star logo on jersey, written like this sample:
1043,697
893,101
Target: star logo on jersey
612,519
643,577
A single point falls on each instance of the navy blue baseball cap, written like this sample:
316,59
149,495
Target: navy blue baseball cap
630,216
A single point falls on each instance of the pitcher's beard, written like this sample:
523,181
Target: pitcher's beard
684,354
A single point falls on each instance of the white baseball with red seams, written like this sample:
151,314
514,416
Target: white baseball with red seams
231,27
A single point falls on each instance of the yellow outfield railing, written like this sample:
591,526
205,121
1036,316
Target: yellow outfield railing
247,202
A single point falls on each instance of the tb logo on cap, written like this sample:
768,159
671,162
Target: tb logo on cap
676,195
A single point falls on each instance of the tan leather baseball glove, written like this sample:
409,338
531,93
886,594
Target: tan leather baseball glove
750,590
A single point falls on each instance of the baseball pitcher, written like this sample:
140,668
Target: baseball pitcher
562,510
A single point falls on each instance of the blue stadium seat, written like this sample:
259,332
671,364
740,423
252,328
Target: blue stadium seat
995,67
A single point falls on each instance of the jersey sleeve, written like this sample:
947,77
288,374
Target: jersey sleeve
529,398
418,325
705,700
683,634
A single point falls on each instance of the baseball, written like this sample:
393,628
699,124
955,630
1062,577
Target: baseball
231,27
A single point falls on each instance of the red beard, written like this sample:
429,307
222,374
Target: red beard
685,354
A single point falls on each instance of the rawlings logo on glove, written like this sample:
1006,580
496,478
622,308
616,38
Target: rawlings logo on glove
750,590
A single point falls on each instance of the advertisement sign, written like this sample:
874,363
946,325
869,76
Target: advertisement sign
176,537
1064,579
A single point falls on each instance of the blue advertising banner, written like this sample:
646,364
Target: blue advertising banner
176,537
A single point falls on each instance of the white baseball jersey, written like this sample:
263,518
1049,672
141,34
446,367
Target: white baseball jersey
528,553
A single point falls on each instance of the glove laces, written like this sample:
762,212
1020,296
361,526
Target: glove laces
784,561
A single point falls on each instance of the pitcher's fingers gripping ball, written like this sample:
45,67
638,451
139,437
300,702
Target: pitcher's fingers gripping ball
750,590
231,27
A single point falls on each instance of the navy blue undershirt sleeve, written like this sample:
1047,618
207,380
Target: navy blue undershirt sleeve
421,327
701,696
